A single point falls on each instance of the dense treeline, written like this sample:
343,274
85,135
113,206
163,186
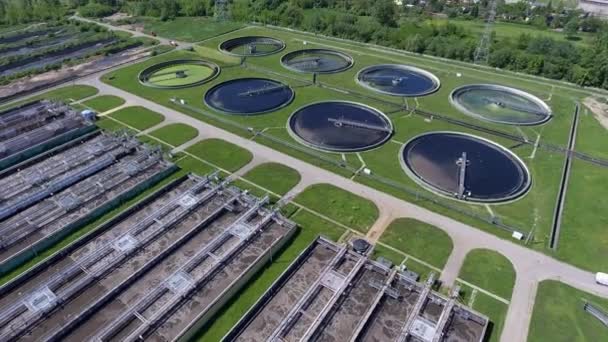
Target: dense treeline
25,11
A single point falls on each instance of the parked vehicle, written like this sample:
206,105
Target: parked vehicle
601,278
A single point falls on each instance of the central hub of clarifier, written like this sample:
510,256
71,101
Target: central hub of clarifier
340,126
320,61
465,167
249,96
398,80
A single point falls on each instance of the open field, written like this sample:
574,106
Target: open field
339,205
559,316
495,310
226,155
489,270
275,177
175,134
138,117
584,237
512,30
104,103
181,28
420,240
531,214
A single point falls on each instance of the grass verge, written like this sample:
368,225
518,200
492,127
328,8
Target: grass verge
419,239
219,152
340,205
138,117
175,134
104,103
275,177
559,316
489,270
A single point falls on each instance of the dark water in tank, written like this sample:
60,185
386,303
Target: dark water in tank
317,60
491,173
249,96
340,126
398,81
252,46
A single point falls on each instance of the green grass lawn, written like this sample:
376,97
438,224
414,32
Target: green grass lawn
583,233
138,117
219,152
188,29
387,253
513,30
489,270
275,177
113,126
310,226
175,134
558,315
419,239
496,312
104,103
340,205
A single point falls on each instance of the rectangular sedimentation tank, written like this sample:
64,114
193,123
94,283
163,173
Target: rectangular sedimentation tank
47,197
331,293
156,272
31,128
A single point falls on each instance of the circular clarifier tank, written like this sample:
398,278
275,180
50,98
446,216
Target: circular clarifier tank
398,80
177,74
321,61
252,46
340,126
500,104
465,167
248,96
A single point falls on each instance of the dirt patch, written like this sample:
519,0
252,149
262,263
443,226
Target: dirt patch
118,16
599,110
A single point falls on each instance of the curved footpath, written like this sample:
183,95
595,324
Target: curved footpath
531,266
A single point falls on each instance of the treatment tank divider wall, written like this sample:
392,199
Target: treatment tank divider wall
40,246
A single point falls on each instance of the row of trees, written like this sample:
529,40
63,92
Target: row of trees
163,9
24,11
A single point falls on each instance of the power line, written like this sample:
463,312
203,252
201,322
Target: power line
222,10
482,53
